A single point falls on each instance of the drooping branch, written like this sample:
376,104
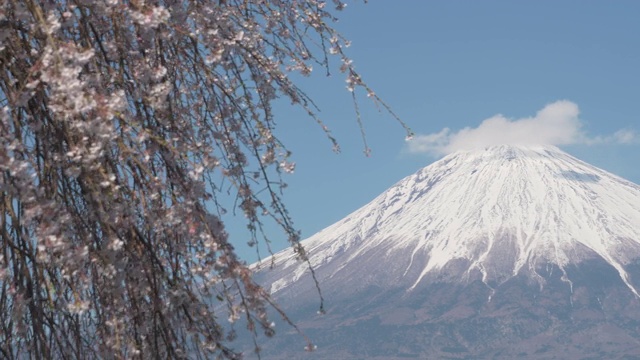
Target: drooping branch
119,121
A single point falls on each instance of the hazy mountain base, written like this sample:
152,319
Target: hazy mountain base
595,315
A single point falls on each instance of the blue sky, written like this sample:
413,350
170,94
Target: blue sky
455,64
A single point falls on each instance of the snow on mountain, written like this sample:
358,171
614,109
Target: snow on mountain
499,211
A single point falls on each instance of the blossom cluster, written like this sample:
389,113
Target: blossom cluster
121,123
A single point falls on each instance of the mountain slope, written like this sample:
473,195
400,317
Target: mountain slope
470,237
502,209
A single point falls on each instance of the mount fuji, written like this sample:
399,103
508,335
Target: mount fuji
501,252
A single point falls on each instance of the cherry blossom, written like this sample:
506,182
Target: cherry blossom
121,123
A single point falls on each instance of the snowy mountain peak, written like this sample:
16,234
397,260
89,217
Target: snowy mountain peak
495,212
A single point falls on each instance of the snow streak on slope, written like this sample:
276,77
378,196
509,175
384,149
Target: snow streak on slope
503,209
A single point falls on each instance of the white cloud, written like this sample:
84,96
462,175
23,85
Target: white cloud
626,136
556,124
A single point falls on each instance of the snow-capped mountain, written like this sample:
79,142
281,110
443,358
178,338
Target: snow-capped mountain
500,209
465,234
